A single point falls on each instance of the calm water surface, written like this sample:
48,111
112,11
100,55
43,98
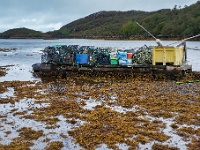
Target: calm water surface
28,52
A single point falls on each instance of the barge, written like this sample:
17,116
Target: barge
74,58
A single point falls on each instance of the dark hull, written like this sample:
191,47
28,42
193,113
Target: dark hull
45,68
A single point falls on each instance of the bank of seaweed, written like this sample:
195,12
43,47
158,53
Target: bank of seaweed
111,109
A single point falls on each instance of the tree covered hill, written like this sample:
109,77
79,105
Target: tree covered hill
165,23
21,33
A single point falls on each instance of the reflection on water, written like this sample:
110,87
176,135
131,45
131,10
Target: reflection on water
28,52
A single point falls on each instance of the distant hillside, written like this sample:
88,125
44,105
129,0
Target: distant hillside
21,33
104,23
165,23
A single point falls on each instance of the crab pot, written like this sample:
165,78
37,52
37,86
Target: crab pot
168,55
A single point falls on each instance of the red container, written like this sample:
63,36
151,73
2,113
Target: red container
129,55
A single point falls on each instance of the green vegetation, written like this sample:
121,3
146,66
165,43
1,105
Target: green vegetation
165,23
103,24
129,28
22,33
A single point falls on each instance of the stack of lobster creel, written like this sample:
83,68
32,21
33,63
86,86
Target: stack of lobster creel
90,55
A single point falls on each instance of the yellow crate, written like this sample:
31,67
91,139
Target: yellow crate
168,55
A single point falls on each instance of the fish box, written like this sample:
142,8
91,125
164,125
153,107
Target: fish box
129,55
113,61
129,61
122,61
168,55
82,59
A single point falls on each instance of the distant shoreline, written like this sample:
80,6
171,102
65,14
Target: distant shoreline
108,38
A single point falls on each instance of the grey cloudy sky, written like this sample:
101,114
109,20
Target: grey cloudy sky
49,15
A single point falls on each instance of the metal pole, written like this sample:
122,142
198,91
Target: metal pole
180,42
157,40
146,30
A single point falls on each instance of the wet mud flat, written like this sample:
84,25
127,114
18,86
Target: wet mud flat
101,111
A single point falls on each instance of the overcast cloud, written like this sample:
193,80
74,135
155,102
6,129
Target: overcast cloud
49,15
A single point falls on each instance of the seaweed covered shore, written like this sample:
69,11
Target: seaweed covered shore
101,111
